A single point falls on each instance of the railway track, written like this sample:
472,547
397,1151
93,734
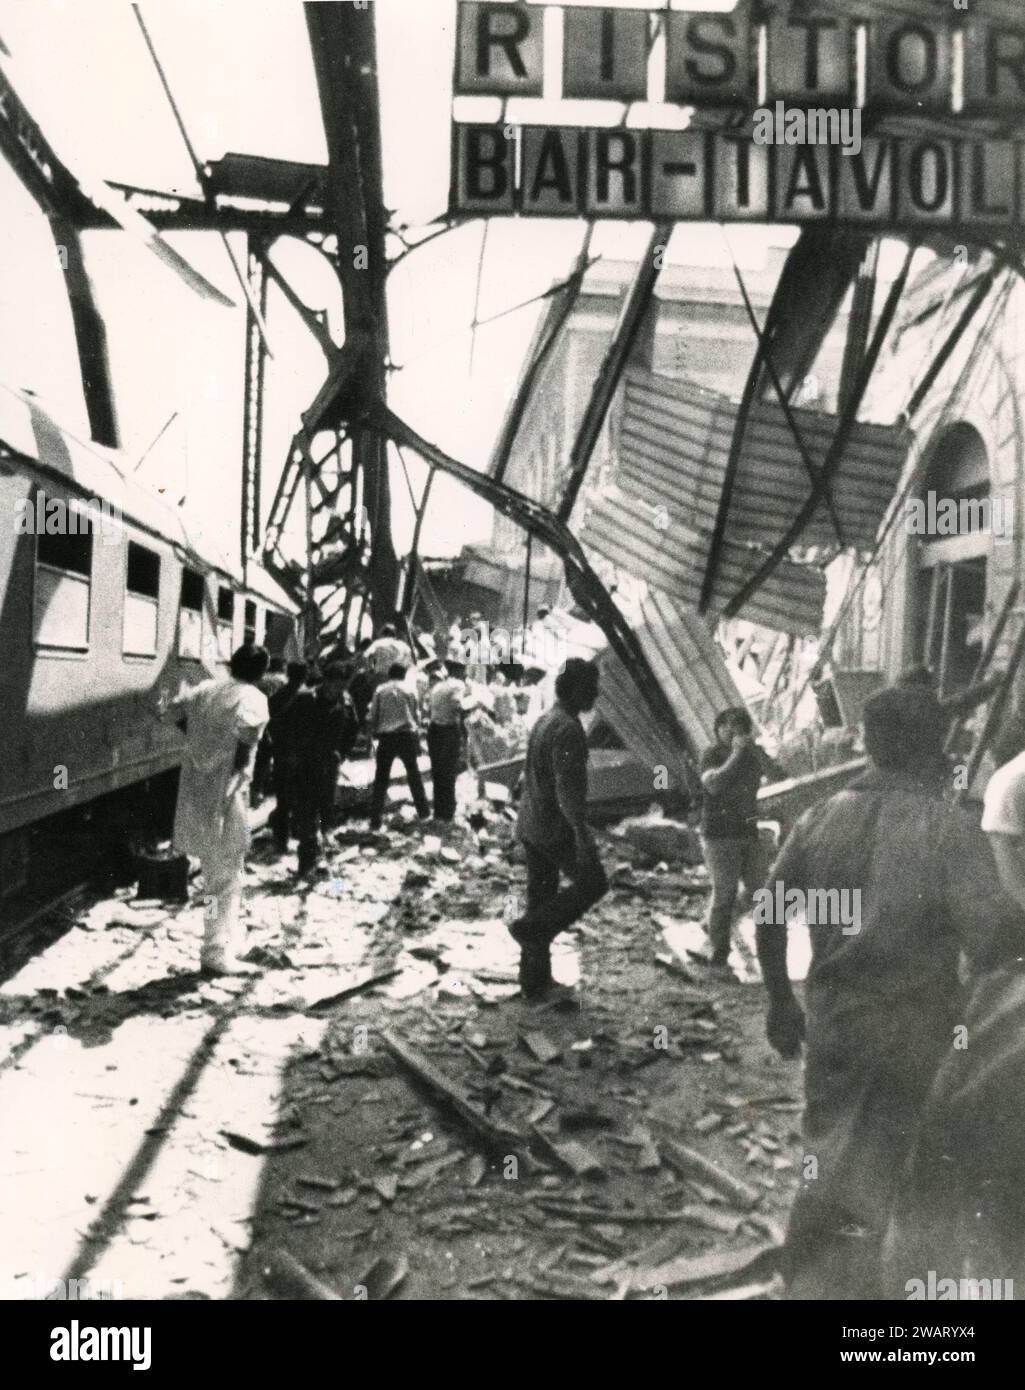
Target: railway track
31,922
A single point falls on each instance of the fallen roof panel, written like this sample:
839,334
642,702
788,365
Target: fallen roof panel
675,438
689,665
670,554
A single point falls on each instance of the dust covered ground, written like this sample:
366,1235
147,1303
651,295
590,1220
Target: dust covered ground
171,1137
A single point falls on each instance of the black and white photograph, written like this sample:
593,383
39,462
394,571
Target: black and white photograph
512,669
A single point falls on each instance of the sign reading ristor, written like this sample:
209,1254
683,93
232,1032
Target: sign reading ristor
803,78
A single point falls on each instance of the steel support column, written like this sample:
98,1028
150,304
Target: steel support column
252,420
345,61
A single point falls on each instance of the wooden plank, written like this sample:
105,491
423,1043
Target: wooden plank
699,1269
689,1163
287,1277
539,1045
569,1154
500,1138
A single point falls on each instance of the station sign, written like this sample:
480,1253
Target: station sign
805,65
699,175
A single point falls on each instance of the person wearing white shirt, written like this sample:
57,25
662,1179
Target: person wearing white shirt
386,650
444,737
1003,820
223,722
395,724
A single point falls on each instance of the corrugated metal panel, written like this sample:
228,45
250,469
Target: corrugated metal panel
673,557
675,438
687,662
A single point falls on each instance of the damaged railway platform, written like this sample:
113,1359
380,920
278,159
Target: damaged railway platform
376,1113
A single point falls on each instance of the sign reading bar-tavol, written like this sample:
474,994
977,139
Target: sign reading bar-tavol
808,149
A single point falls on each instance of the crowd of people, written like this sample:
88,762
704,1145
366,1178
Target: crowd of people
288,729
913,1014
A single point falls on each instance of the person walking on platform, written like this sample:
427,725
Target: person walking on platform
552,827
263,765
395,724
444,737
282,735
732,770
222,722
323,727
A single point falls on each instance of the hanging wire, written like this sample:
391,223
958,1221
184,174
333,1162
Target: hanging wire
502,313
477,289
204,183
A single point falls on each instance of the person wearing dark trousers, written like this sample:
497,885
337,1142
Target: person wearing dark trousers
281,732
444,737
732,770
325,726
395,724
552,827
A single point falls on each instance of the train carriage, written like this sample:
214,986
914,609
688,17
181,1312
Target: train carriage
111,599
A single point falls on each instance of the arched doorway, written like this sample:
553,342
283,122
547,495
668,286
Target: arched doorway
951,550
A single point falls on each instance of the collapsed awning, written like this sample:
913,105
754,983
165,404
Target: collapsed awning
675,440
670,553
657,519
689,665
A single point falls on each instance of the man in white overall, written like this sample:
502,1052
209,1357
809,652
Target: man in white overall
223,721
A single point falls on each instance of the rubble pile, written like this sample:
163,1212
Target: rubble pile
431,1134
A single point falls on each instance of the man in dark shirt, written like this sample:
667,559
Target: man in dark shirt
731,773
280,730
324,726
883,992
552,827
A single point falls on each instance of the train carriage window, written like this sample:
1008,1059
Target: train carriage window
225,621
249,625
190,616
142,601
62,590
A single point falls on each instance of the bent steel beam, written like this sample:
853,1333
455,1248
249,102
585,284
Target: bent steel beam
616,357
845,424
814,280
585,586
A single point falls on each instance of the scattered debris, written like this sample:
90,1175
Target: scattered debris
384,1276
287,1277
541,1046
689,1162
495,1136
701,1269
569,1154
246,1144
